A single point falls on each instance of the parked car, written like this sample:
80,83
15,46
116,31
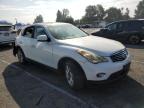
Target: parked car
131,31
86,26
80,56
7,36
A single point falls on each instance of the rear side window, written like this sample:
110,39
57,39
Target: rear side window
142,25
134,25
28,32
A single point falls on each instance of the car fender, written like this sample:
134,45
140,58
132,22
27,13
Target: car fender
62,51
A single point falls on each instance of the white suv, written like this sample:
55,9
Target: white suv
80,56
7,36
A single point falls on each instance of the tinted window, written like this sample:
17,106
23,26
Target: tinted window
142,25
121,26
39,31
29,32
134,25
112,26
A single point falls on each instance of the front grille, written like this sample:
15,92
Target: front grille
119,56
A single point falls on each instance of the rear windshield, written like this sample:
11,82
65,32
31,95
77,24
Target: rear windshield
5,28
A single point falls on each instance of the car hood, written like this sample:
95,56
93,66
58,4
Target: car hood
98,45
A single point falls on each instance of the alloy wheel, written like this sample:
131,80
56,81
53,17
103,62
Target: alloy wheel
134,39
69,75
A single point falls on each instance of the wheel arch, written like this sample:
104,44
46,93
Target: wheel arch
137,34
15,49
62,61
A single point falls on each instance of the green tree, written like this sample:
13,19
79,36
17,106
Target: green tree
126,14
139,12
77,22
93,13
85,20
90,11
100,12
113,14
65,13
69,19
90,14
64,16
38,19
59,16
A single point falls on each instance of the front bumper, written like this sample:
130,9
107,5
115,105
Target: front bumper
118,75
111,70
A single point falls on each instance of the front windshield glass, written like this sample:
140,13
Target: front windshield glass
65,31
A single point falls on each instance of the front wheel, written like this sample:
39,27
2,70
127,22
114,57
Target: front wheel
74,75
21,56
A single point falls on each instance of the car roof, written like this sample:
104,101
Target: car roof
5,25
46,24
50,23
125,21
129,20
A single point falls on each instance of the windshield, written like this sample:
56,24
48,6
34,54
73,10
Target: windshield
65,31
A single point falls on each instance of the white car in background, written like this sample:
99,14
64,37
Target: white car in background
80,56
7,36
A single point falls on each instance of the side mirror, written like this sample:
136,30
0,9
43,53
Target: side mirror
42,38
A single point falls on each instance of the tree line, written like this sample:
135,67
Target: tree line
98,13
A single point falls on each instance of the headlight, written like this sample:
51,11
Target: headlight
93,58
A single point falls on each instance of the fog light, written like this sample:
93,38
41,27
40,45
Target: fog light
99,75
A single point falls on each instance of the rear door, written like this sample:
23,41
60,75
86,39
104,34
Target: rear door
142,29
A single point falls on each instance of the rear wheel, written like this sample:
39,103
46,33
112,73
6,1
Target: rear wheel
134,39
21,56
74,75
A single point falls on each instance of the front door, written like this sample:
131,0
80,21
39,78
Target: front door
112,31
41,51
26,40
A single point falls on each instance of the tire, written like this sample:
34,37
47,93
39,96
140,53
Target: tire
74,75
13,44
134,39
21,56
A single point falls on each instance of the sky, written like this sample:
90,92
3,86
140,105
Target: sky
25,11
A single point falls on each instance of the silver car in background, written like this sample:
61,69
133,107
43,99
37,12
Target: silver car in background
7,35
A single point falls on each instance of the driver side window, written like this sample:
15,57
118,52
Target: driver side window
29,32
112,27
39,31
